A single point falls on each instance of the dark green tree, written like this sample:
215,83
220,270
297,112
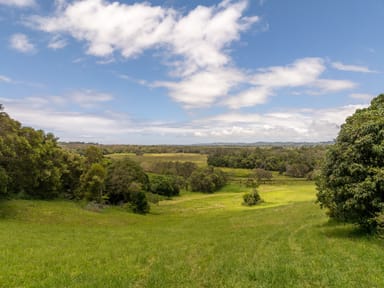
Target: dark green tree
125,182
207,180
351,184
165,185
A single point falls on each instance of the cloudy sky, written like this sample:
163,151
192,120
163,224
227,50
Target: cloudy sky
186,72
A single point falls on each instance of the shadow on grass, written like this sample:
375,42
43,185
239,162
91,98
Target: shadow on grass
7,211
337,229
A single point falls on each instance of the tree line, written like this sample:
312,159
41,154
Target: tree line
292,161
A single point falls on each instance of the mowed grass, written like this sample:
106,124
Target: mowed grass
195,240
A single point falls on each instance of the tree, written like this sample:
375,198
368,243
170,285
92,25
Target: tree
93,154
351,184
127,182
93,183
207,180
165,185
262,175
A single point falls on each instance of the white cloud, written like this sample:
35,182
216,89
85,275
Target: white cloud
21,43
57,42
351,68
109,127
199,37
305,72
202,35
294,125
250,97
195,44
5,79
302,72
18,3
362,96
328,85
49,113
89,98
203,88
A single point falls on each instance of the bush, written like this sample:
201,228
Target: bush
138,202
252,198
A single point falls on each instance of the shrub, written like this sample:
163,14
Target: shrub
252,198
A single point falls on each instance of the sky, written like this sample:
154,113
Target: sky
189,72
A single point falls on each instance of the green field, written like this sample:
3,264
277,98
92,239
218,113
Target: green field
147,159
195,240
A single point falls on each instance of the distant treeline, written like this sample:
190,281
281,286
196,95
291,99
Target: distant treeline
292,161
200,149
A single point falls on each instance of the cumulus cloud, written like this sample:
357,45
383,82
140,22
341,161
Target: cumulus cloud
21,43
351,68
203,88
302,72
195,42
18,3
199,37
305,72
196,49
293,125
250,97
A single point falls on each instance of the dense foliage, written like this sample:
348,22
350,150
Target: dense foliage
165,185
32,165
176,168
351,185
125,178
252,198
293,161
207,180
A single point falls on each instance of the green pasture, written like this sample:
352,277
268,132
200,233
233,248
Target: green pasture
146,160
194,240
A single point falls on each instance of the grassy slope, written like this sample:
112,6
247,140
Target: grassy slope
195,240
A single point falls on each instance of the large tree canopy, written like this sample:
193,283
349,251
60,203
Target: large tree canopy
351,184
31,162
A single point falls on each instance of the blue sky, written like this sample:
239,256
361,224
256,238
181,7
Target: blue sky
187,72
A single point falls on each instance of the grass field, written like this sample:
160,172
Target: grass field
147,159
195,240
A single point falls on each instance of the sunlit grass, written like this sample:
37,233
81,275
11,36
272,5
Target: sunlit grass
195,240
